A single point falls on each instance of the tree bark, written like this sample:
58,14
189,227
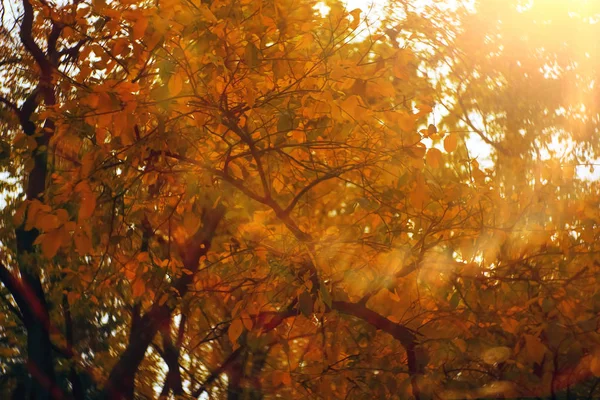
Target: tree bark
28,291
121,381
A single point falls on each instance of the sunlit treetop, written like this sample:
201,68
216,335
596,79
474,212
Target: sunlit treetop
247,199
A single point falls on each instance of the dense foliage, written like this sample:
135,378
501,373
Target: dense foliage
254,199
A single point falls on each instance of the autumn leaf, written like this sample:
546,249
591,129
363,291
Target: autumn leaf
419,195
355,14
269,169
247,320
535,348
139,28
235,330
351,106
83,244
50,242
434,157
450,142
206,13
46,222
87,206
431,130
138,287
175,84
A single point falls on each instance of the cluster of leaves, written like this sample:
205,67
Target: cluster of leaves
245,199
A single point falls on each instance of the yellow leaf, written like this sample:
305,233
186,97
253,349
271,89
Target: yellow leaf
351,106
406,122
277,185
332,231
434,158
450,142
207,15
424,109
419,194
355,18
237,171
305,42
400,71
235,330
175,84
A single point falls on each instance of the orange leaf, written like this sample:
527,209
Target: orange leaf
35,206
246,320
139,28
450,142
46,222
355,18
83,244
50,242
286,379
207,15
72,297
138,287
87,206
434,158
535,348
175,84
419,194
351,105
235,330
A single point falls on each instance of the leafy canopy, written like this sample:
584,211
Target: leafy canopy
245,199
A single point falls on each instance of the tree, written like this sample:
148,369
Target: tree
245,199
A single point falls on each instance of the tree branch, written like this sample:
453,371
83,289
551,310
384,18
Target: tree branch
120,383
415,356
